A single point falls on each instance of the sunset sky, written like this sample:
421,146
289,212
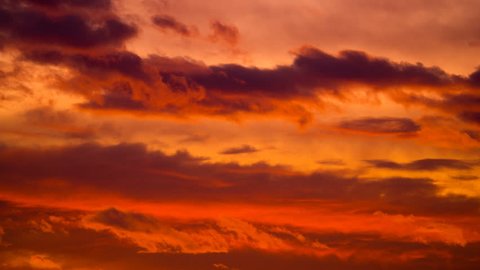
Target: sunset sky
241,134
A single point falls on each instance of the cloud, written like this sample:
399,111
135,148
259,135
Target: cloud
81,242
89,38
48,116
118,97
159,236
224,32
57,122
120,62
126,221
474,78
461,100
179,211
28,25
195,138
165,22
43,262
182,86
471,116
239,150
91,4
473,134
155,176
465,177
381,125
220,266
462,105
313,71
332,162
154,85
424,164
447,102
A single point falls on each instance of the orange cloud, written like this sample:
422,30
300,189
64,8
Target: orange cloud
138,135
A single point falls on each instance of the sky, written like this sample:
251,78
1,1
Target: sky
222,135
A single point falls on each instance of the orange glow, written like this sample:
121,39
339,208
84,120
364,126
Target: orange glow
272,134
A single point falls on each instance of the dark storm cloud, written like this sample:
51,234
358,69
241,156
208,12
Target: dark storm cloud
166,22
424,164
133,171
239,150
30,26
381,125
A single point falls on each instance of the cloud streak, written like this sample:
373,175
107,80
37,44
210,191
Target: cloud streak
244,149
425,164
381,125
166,22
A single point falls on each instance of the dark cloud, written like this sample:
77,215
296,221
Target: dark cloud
313,69
118,97
333,162
464,100
475,135
33,27
280,82
471,116
360,67
166,22
465,177
464,105
127,221
448,102
381,125
49,122
48,116
156,176
195,138
424,164
123,62
94,4
239,150
83,38
474,78
224,32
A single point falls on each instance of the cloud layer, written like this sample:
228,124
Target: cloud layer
249,135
